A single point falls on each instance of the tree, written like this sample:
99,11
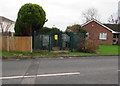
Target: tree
89,14
47,29
55,29
76,28
31,17
114,18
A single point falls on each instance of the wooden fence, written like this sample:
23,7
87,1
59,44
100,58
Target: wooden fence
17,44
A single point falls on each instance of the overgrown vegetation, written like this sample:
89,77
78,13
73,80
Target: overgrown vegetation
88,46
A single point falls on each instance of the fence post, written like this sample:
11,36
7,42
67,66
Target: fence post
49,49
71,41
8,43
31,44
33,40
61,41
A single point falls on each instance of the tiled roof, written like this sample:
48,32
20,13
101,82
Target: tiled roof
4,18
114,27
110,27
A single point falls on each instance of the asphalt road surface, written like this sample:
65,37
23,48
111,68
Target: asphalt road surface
79,70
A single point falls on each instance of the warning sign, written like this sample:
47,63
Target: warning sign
56,37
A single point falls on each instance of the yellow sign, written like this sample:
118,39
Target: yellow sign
56,37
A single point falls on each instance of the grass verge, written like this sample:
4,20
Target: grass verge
103,50
26,55
4,53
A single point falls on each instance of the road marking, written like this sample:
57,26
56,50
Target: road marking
43,75
59,74
11,77
118,70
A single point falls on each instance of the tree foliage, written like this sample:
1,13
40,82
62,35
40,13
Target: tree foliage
31,17
76,28
47,29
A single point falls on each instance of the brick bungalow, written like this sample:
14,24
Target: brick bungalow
105,34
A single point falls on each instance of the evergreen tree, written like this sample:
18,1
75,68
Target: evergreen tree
31,17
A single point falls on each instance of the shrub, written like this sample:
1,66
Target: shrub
88,46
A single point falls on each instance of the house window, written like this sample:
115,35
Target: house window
103,36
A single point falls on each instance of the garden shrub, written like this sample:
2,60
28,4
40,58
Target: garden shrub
88,46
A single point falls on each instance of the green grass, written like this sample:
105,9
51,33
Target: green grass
103,50
0,53
109,49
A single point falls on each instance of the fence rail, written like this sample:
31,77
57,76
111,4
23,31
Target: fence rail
17,44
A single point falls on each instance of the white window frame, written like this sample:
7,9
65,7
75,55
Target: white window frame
103,36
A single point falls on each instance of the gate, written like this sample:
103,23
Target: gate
54,41
41,42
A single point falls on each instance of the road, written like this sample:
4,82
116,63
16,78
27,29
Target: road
79,70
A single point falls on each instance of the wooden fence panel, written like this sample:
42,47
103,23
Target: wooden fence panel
17,44
4,44
12,44
26,44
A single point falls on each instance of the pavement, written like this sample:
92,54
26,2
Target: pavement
54,56
88,70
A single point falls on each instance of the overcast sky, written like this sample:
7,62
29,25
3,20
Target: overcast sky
62,13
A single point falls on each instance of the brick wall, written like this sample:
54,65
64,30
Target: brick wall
95,29
119,39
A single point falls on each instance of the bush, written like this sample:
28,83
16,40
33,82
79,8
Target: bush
88,46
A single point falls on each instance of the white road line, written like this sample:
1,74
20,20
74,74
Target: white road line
118,70
60,74
43,75
11,77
